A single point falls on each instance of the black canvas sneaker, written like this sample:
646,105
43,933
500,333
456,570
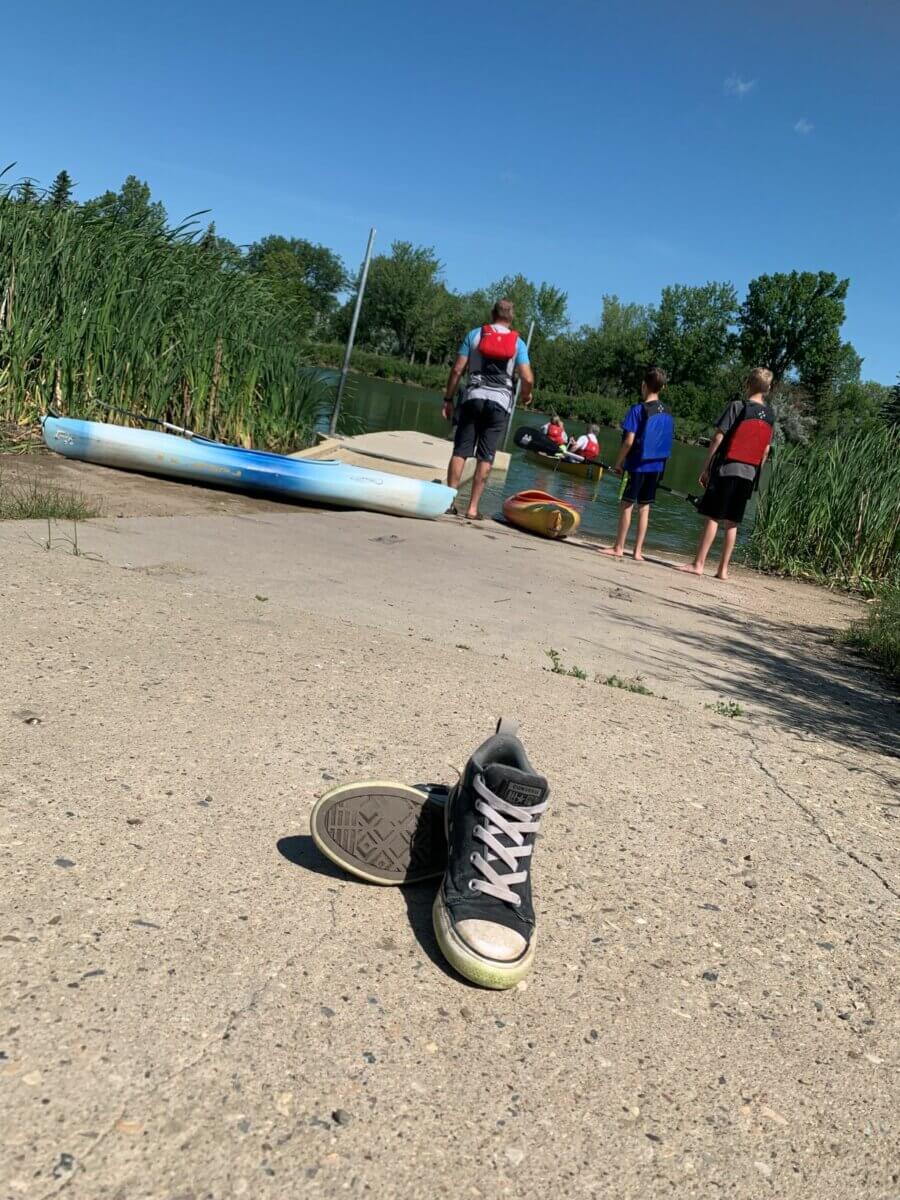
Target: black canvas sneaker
383,832
483,914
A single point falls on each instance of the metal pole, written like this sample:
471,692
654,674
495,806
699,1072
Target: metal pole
518,389
345,369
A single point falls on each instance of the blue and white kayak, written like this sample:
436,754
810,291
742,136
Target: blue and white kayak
199,460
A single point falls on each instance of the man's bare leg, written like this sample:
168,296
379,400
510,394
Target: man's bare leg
643,522
707,537
455,470
482,470
625,510
727,549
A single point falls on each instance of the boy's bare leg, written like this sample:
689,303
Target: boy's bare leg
482,470
625,510
727,549
707,537
643,522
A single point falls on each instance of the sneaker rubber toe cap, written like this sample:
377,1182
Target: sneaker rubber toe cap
492,941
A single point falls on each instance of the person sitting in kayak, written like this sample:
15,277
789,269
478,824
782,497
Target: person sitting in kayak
555,431
586,448
737,453
647,435
493,356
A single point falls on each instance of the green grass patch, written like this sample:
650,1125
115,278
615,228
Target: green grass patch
33,501
635,685
726,708
878,635
557,667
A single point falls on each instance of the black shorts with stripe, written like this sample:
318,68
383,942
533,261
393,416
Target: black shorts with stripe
726,498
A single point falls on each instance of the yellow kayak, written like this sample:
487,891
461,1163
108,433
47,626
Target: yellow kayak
541,513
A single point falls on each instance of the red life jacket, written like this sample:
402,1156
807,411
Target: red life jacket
497,343
592,449
750,436
556,433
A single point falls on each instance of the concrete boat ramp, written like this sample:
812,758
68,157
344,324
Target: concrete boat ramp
401,451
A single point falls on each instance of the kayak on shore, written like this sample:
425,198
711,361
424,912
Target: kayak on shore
541,513
197,460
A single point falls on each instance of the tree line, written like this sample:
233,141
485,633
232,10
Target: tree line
704,336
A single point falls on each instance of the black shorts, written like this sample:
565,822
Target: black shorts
480,425
639,487
726,498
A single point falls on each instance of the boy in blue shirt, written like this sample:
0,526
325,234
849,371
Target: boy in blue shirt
646,445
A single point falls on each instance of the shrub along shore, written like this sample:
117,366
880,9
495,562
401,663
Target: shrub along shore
586,407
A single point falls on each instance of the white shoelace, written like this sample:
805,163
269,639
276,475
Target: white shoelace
511,821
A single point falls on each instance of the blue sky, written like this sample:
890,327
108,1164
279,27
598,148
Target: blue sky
602,146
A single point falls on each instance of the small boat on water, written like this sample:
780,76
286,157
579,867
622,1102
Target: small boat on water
541,513
199,460
581,470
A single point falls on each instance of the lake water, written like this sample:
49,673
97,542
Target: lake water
371,405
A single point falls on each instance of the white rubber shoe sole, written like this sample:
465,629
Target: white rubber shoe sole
486,972
382,831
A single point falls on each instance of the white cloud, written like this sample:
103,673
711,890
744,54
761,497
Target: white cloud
803,126
735,86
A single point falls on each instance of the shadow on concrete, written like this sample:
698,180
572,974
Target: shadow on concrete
301,851
795,673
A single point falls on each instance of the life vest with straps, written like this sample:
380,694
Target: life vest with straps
492,365
653,441
750,436
556,433
592,449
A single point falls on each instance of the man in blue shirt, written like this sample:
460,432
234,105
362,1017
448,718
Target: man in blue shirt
494,357
641,475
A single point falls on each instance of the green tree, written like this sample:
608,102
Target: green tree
131,206
617,353
26,192
542,303
60,195
228,253
404,296
890,409
692,334
304,276
791,323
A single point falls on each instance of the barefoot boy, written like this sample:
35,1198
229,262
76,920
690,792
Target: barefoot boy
736,456
647,434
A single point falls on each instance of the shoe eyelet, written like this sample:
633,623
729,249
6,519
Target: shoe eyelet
472,860
473,885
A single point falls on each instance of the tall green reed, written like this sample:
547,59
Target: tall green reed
831,511
93,311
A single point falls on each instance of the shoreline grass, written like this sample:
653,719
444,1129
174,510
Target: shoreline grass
830,513
33,501
95,310
877,636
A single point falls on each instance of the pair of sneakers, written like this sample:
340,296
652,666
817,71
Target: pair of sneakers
479,835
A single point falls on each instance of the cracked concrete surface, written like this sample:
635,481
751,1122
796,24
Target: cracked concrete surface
194,1004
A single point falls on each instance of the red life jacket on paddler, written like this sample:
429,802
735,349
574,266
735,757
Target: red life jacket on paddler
750,437
592,449
498,343
556,433
492,365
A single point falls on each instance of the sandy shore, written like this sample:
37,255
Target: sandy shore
190,994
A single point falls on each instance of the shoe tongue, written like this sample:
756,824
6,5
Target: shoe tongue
515,786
